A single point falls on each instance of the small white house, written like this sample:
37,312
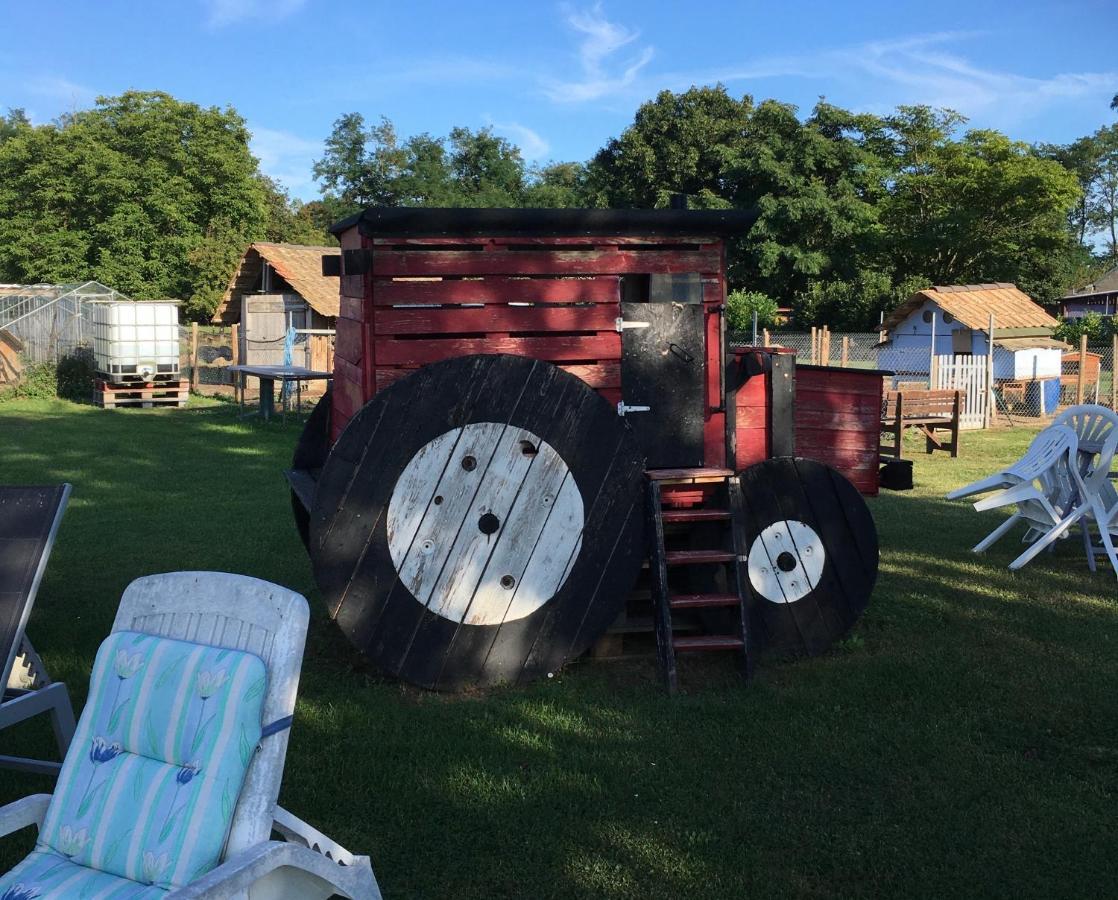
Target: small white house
959,318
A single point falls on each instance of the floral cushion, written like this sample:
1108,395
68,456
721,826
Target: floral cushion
149,785
45,873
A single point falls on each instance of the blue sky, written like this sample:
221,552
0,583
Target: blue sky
558,78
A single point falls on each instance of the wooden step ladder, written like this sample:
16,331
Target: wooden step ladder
721,507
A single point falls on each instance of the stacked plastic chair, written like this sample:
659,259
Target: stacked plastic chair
1063,480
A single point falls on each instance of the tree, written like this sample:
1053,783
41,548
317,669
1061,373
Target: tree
677,144
980,209
290,221
1102,192
12,123
487,170
143,192
558,185
1081,158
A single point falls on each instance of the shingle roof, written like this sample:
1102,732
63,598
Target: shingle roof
971,304
299,266
1108,284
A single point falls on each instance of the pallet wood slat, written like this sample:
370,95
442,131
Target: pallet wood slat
431,321
652,241
561,262
496,290
599,346
109,396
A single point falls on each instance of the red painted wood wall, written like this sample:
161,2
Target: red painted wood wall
550,298
837,415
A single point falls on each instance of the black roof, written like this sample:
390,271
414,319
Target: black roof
431,222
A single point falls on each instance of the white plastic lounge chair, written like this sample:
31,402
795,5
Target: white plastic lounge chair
29,521
1047,447
169,788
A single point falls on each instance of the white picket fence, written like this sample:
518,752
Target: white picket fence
965,373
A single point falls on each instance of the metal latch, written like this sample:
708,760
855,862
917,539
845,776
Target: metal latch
620,324
623,408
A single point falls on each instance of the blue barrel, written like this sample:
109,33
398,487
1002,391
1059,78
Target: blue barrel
1043,395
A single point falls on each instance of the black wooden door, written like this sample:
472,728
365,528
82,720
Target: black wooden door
663,365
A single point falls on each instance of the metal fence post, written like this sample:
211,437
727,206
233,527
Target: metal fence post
238,383
991,397
1114,372
194,356
845,350
1081,374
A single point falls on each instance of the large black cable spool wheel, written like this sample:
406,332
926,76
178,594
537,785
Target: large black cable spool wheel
810,554
479,521
310,456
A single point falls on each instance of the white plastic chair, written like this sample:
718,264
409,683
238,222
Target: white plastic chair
1087,503
1093,425
1047,447
1104,515
240,613
1043,487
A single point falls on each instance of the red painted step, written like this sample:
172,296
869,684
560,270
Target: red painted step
702,601
707,642
689,557
695,515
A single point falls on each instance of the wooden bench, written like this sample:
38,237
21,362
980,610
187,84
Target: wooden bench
927,411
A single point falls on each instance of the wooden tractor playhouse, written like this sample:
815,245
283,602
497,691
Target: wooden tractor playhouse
531,409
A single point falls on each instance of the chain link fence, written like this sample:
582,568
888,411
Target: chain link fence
1029,385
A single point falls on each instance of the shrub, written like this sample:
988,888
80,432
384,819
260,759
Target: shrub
740,306
71,379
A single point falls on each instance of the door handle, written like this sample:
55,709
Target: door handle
680,352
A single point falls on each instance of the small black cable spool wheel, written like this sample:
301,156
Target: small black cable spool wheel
810,554
310,456
479,521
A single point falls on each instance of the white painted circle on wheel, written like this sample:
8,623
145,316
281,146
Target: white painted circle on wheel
485,523
786,561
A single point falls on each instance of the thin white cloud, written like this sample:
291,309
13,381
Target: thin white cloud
220,13
61,91
532,146
288,158
605,70
913,69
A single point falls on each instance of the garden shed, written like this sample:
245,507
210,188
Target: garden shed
959,318
276,287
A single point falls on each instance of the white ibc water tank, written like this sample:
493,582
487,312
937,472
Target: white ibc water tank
135,341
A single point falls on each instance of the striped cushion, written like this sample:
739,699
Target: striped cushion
148,788
44,874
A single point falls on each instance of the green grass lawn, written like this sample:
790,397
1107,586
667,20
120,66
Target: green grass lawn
963,741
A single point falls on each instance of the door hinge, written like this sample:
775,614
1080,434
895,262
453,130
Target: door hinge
623,408
620,324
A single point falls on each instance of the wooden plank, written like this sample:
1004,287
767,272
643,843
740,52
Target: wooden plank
597,375
604,289
465,320
602,346
352,308
566,241
846,382
349,341
561,262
